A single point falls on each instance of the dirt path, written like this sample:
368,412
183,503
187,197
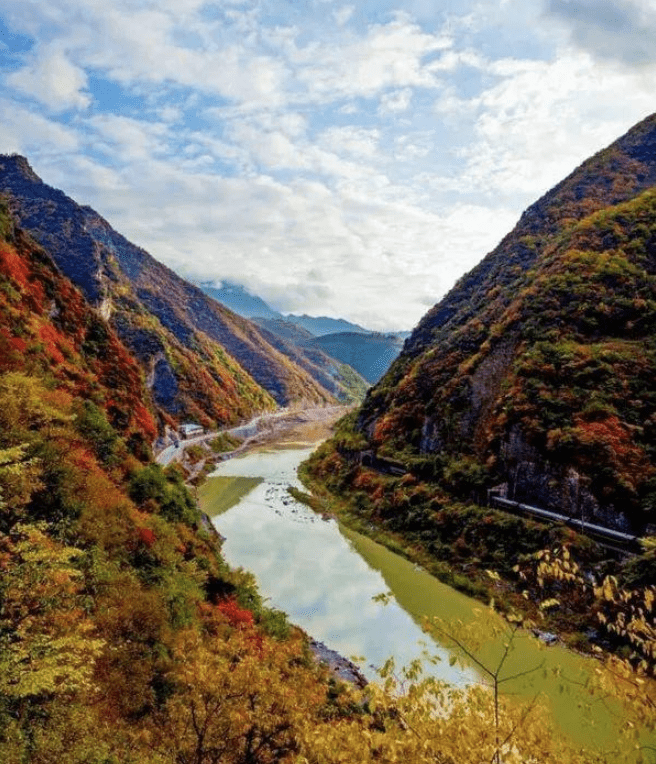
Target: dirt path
295,428
284,429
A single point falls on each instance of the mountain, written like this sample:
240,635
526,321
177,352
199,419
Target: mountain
289,335
341,381
192,349
320,325
119,617
369,354
49,331
335,375
244,303
535,376
241,302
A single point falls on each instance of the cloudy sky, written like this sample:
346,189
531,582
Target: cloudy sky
343,158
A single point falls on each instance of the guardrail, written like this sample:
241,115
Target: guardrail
608,537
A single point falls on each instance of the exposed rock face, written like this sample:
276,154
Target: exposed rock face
540,365
137,293
557,487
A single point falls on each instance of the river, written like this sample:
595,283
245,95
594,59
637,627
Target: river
325,577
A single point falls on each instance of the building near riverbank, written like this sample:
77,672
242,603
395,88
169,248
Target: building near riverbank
190,430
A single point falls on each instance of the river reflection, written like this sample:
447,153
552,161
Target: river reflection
311,571
325,577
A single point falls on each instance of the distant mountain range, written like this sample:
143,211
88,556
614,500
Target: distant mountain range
369,353
241,301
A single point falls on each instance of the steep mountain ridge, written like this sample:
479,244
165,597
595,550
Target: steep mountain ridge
534,375
244,303
360,356
158,314
613,175
48,330
118,613
335,375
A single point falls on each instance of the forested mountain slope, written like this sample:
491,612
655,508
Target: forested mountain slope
119,620
370,354
169,324
536,374
334,374
288,336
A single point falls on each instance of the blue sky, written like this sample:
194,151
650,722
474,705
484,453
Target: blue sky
343,158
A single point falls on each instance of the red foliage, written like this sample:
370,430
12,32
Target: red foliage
611,442
144,421
83,460
147,536
236,615
18,344
52,340
13,265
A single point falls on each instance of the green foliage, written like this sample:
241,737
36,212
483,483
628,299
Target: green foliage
19,478
347,436
91,422
167,489
639,570
224,442
464,476
6,222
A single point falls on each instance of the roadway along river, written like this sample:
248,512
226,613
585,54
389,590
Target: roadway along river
325,576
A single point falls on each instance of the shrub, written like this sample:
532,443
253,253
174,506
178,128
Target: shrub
92,424
167,490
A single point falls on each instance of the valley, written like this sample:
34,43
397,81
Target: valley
158,595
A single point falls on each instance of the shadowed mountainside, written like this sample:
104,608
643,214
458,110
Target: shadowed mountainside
161,317
369,354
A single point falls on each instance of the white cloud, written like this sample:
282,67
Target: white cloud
355,141
397,101
389,56
128,139
28,133
540,120
327,155
343,14
52,79
610,29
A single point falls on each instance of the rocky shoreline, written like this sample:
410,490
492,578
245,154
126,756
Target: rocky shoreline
339,666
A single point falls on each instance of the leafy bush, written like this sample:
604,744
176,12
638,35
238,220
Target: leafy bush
224,442
92,423
167,490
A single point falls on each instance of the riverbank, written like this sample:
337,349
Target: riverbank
330,581
286,428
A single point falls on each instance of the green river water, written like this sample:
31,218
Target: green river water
325,576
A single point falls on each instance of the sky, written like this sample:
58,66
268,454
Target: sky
350,159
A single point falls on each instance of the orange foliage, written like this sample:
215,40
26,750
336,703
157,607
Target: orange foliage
364,479
82,460
144,421
147,536
384,428
614,440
